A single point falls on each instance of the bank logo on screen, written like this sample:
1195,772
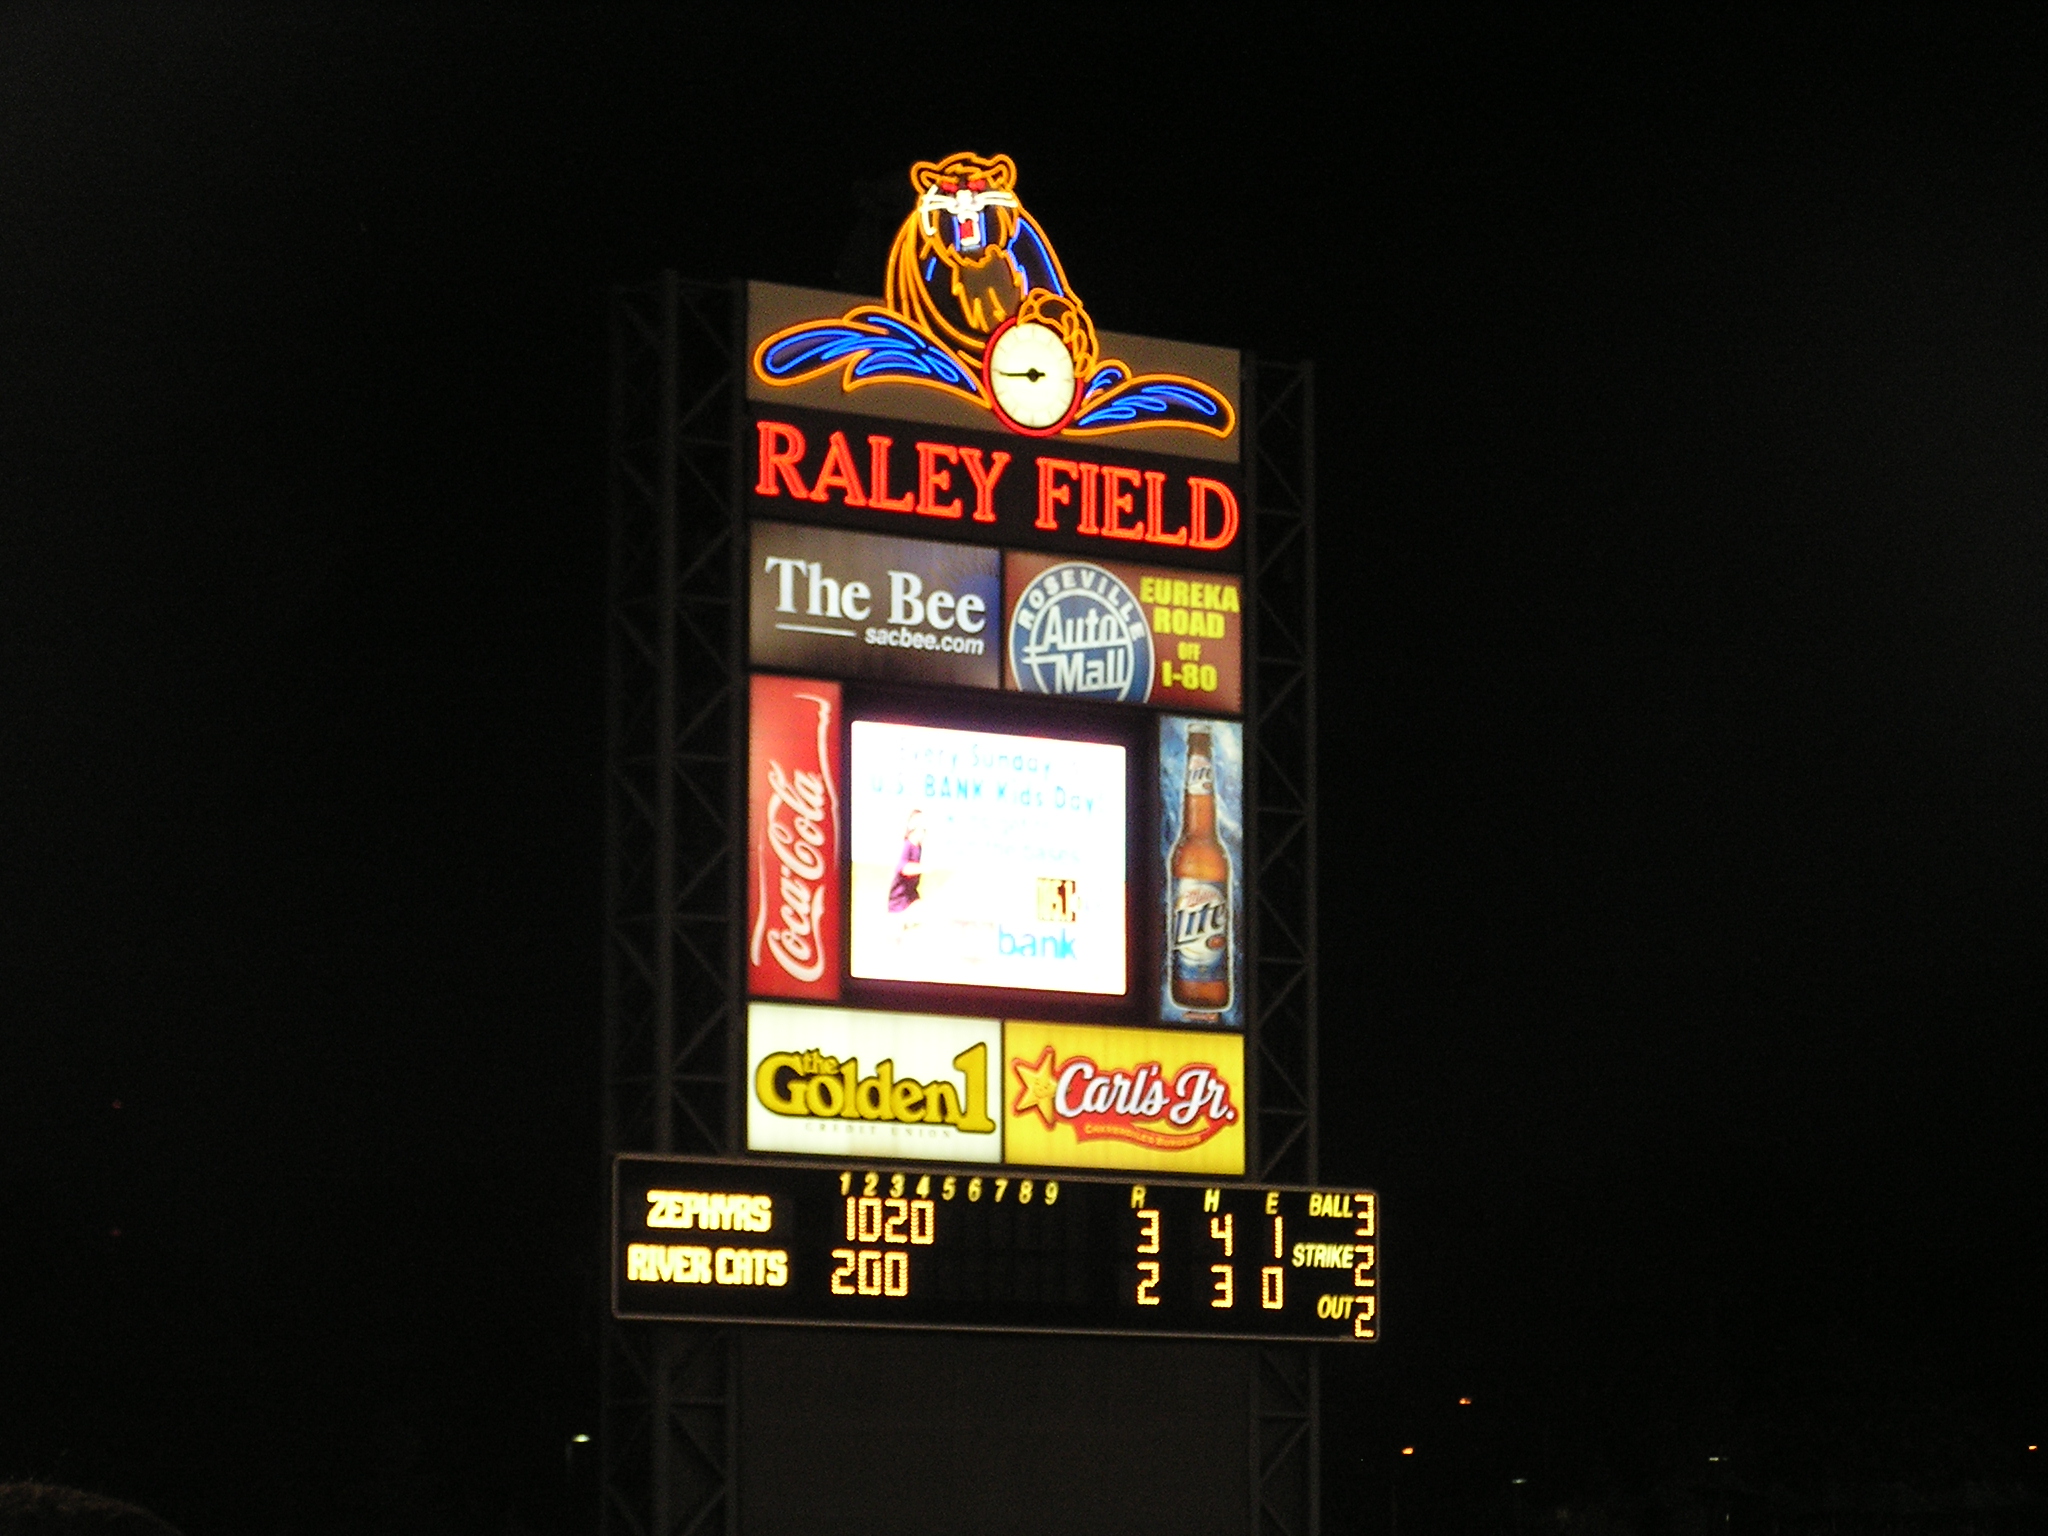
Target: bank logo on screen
986,859
1078,631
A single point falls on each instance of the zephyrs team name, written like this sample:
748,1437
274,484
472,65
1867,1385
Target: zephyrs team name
687,1208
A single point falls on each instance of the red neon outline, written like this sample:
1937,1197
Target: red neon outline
988,383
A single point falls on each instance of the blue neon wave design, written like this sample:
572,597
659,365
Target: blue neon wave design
890,349
930,262
1036,261
1106,375
1154,398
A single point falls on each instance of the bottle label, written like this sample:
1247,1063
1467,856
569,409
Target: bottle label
1201,777
1201,931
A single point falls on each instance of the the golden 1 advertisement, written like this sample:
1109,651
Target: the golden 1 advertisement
841,1082
1089,1096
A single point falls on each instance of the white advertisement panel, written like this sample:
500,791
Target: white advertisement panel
848,1083
983,859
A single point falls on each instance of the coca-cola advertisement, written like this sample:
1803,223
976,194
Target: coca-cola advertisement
795,827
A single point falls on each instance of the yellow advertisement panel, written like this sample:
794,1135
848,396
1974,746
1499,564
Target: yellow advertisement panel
845,1082
1088,1096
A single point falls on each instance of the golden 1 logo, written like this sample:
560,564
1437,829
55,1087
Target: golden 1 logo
849,1082
1084,1096
818,1084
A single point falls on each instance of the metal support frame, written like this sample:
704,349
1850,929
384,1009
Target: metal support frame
1281,848
1280,770
675,835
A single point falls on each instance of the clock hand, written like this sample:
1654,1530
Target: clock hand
1029,373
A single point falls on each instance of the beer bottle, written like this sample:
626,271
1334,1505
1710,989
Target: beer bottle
1199,874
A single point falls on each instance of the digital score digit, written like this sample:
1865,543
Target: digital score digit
715,1240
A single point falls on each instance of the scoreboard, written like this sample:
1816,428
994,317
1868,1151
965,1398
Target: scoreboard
998,1015
861,1245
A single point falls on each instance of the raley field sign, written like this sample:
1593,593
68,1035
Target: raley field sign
1083,497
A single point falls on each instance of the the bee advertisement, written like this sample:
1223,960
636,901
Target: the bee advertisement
853,605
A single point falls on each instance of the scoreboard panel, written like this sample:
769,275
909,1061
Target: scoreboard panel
970,1247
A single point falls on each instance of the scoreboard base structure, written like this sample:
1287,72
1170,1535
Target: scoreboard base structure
725,1240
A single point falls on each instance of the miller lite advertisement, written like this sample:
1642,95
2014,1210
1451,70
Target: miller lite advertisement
1201,840
795,833
1082,1096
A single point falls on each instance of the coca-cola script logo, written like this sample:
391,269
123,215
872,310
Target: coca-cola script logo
797,853
1143,1106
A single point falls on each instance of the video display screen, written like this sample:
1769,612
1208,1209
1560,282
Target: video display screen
987,859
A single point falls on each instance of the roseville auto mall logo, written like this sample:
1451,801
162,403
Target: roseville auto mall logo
1078,631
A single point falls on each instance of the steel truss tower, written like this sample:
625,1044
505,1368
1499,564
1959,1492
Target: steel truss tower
675,878
1281,845
675,875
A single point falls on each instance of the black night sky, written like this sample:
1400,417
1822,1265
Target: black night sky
1684,434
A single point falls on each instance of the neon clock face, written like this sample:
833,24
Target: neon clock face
1030,377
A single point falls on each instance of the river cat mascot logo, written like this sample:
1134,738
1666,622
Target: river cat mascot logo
976,304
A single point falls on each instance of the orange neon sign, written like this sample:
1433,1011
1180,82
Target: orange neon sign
977,306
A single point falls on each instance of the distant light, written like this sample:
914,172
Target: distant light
1407,1450
1713,1458
1464,1402
117,1103
2033,1447
579,1439
1518,1481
